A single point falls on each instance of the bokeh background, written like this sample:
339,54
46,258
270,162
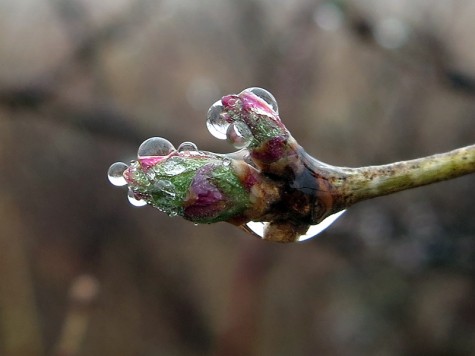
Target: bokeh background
83,83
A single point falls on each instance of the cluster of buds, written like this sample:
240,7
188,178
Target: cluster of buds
270,187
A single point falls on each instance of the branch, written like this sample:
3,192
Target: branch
271,187
374,181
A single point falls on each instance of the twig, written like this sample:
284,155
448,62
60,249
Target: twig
374,181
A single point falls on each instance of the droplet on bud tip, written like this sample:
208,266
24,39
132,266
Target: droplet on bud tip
187,146
116,174
133,200
266,96
155,146
216,123
239,135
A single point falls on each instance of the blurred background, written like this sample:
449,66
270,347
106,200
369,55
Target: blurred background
83,83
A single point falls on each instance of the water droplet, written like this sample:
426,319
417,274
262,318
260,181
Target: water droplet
133,200
216,123
155,146
266,96
314,230
166,187
116,174
187,146
259,227
239,134
174,166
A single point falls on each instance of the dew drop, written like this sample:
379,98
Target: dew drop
314,230
239,134
116,174
216,123
259,228
133,200
266,96
155,146
174,166
166,187
187,146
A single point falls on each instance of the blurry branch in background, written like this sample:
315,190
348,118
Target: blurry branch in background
100,120
42,94
424,48
19,324
83,293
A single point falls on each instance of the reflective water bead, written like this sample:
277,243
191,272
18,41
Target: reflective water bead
216,123
266,96
133,200
155,146
187,146
166,187
174,166
314,230
259,228
116,174
239,134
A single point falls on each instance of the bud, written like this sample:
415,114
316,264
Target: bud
200,186
271,187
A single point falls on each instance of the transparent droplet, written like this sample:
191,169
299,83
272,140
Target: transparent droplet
174,166
239,134
166,187
187,146
259,227
155,146
216,123
266,96
133,200
116,174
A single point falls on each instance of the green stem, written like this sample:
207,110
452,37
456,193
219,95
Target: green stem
373,181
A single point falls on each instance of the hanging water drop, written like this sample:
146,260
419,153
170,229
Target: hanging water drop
259,228
266,96
216,123
239,134
155,146
133,200
116,174
314,230
187,146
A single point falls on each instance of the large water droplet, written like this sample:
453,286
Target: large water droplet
166,187
133,200
239,134
259,227
266,96
187,146
155,146
116,174
216,123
